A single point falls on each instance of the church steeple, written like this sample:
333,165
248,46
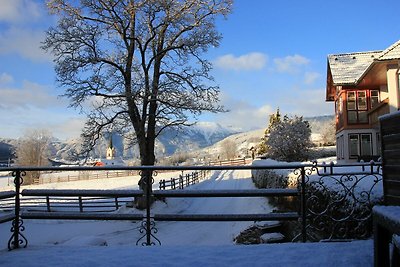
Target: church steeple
110,145
110,154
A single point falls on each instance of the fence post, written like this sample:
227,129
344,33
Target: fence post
181,182
372,163
48,203
116,204
80,204
303,206
17,227
160,184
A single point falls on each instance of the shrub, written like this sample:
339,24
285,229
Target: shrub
289,140
269,179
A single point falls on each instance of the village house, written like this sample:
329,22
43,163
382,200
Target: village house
364,86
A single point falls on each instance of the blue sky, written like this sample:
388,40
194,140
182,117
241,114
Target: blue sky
273,54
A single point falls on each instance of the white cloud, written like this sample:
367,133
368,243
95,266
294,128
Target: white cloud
34,106
251,61
60,123
290,64
6,78
66,128
30,95
246,116
18,11
24,42
243,115
311,77
306,103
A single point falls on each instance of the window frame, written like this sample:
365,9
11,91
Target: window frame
378,96
360,149
354,99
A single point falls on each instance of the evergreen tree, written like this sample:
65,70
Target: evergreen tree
289,140
275,118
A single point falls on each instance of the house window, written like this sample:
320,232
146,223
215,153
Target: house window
378,143
357,107
360,145
366,145
351,100
374,98
353,145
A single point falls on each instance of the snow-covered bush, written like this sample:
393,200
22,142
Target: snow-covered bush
289,140
269,179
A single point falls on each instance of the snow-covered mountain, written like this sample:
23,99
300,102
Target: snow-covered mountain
241,141
189,138
204,139
200,135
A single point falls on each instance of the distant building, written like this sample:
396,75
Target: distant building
111,159
110,153
364,86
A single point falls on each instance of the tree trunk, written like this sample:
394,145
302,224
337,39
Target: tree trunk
146,146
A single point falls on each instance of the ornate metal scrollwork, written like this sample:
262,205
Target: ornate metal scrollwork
18,178
148,232
338,205
17,239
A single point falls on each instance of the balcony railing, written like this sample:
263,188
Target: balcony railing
322,201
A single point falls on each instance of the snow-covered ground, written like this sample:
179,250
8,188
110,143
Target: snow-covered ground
169,233
112,243
352,254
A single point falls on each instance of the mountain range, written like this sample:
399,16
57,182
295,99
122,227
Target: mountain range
202,138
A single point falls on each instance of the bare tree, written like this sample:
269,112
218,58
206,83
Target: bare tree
328,134
139,62
33,150
228,149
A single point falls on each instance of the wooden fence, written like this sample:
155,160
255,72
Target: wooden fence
90,175
231,162
183,180
83,175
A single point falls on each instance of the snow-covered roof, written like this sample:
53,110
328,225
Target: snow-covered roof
392,52
349,68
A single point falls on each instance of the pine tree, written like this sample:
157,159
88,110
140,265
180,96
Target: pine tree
273,120
289,140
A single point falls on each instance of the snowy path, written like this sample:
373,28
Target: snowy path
210,233
169,233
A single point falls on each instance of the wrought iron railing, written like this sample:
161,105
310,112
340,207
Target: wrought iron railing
328,203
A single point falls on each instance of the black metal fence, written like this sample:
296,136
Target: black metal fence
329,200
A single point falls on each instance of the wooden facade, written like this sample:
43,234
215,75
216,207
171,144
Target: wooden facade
390,132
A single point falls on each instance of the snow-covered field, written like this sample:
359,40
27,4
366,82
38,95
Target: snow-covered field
112,243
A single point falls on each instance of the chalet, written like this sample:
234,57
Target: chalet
364,86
